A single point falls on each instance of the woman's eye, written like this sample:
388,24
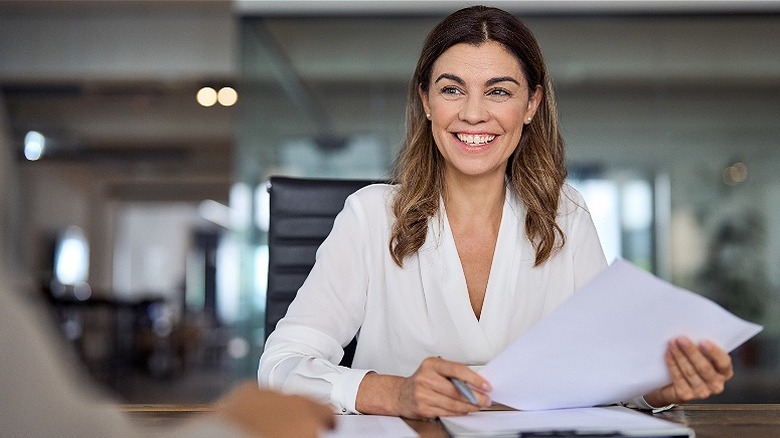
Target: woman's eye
499,93
451,91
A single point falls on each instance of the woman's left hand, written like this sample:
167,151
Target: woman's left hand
698,371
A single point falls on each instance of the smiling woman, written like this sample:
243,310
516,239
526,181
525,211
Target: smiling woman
478,111
477,240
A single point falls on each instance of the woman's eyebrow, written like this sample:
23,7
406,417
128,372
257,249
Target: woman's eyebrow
489,82
494,81
451,77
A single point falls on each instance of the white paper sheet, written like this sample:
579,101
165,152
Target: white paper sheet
606,343
361,426
584,420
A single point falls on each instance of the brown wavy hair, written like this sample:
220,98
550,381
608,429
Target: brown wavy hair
537,168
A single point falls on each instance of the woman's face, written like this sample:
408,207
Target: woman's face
478,101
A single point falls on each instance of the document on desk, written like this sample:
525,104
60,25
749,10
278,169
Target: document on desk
361,426
612,421
606,343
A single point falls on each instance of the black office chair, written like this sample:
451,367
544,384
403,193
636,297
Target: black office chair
301,217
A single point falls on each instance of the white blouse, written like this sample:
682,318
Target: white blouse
403,315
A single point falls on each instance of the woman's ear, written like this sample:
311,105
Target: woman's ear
534,100
424,100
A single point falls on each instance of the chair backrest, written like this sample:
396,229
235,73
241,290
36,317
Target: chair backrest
301,217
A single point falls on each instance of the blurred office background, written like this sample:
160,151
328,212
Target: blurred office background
136,138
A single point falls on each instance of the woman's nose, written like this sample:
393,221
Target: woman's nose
474,110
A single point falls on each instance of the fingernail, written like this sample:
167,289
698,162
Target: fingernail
486,387
683,342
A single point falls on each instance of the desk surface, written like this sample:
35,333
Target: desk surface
728,421
708,420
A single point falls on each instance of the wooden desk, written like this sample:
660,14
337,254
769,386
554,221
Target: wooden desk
728,421
708,420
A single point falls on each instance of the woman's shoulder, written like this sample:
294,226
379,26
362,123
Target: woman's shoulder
370,206
571,200
371,201
573,211
374,193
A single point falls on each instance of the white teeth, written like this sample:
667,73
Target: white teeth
475,140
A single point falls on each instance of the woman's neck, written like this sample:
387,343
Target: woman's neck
474,200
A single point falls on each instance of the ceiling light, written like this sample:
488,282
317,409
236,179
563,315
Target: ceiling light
227,96
207,96
735,174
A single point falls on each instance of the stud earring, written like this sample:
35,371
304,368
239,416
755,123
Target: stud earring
428,116
529,120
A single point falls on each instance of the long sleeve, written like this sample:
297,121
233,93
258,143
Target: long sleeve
300,355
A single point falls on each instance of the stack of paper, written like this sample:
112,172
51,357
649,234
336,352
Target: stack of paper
607,421
606,343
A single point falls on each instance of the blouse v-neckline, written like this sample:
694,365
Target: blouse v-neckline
442,255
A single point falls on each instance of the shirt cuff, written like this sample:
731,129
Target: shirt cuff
345,389
641,403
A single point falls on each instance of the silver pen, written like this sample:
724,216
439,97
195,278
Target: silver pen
465,390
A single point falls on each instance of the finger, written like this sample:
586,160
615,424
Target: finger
710,377
683,350
477,384
435,394
449,392
325,415
464,373
679,390
456,404
687,384
701,363
469,394
697,369
719,358
719,368
432,404
475,381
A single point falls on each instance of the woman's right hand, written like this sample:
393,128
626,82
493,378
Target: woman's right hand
429,392
426,394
